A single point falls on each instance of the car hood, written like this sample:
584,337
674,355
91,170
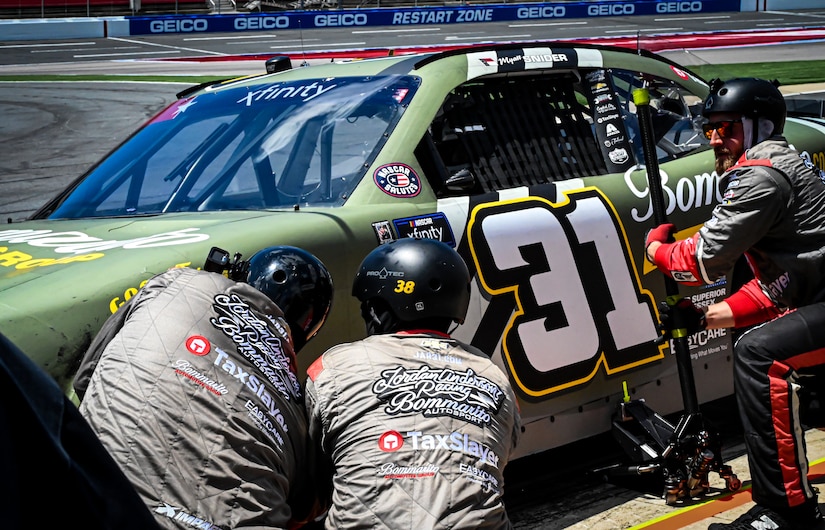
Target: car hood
60,280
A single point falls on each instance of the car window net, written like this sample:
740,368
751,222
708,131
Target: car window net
517,132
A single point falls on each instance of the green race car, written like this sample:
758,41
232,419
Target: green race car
527,158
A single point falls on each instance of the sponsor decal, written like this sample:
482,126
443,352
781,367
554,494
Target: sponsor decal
683,194
383,232
609,117
485,479
595,76
393,471
264,423
185,369
681,73
198,345
435,392
456,442
302,93
619,155
432,226
22,261
390,441
437,350
601,98
383,274
255,385
397,180
79,243
683,276
424,355
181,516
777,287
256,342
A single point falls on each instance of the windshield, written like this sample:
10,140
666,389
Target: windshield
281,144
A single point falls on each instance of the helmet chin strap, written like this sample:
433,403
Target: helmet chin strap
378,320
754,136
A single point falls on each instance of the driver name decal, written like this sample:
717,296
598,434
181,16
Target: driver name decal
397,180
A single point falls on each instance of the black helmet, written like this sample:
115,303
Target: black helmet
298,283
749,96
416,279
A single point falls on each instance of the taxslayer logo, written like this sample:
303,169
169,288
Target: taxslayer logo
456,442
198,345
390,441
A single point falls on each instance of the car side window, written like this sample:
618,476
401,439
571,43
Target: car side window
503,132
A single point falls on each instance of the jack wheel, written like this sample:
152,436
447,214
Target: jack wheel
733,483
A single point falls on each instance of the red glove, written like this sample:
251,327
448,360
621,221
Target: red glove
662,233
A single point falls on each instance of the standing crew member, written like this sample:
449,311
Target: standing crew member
416,426
192,387
773,214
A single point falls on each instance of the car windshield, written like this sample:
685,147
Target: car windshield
282,144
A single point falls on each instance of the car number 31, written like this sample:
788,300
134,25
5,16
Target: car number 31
563,329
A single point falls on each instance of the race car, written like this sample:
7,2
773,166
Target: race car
527,158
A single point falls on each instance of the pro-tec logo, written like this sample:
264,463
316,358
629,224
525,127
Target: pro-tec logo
390,441
198,345
397,180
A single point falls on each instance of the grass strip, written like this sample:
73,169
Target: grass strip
788,73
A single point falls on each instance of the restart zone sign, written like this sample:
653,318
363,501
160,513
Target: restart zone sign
419,16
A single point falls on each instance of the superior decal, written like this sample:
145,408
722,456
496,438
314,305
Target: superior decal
303,93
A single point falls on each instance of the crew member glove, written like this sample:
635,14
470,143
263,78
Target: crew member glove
662,234
679,317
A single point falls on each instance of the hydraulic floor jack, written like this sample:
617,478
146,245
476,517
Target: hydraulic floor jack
687,452
684,454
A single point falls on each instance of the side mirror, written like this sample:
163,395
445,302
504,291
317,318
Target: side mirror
461,180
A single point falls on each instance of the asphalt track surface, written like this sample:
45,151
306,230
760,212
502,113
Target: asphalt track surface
51,132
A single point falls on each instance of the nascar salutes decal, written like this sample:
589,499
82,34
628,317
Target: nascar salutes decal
397,180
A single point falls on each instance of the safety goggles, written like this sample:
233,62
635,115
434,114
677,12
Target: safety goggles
723,128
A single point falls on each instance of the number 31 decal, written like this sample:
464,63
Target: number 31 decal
579,301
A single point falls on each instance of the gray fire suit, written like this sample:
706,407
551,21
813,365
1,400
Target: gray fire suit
773,213
417,429
191,386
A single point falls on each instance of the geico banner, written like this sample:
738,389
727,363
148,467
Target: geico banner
419,16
